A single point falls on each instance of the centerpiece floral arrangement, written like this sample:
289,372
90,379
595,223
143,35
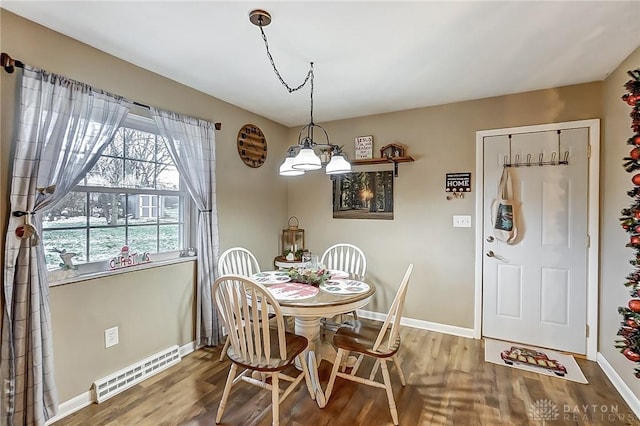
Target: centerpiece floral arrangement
312,276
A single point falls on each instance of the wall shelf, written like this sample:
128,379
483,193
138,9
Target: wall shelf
384,160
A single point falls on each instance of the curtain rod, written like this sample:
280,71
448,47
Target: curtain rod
9,64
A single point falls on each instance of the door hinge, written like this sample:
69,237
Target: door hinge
589,151
588,241
587,330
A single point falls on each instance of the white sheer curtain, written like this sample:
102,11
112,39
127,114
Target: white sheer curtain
191,143
62,128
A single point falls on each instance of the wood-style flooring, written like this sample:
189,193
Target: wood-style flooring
448,383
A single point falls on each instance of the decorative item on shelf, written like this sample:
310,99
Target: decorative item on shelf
392,153
188,252
302,157
126,259
293,239
393,150
629,330
67,259
311,276
252,145
292,256
364,147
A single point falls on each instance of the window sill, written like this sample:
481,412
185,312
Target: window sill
56,276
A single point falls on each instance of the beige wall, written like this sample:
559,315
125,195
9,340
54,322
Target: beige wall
615,183
153,310
252,210
441,139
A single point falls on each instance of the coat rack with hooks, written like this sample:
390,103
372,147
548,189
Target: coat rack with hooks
558,158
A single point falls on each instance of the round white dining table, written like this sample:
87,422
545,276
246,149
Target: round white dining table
308,312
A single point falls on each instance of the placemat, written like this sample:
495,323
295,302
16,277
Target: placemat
293,291
344,286
271,277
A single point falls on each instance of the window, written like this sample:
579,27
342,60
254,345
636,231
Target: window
131,197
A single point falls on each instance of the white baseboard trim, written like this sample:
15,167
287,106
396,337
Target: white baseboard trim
627,394
71,406
187,348
79,402
423,325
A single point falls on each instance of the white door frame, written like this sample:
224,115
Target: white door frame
593,221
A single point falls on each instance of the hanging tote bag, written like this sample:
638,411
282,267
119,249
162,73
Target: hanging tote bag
503,215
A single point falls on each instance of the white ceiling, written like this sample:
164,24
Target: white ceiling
370,57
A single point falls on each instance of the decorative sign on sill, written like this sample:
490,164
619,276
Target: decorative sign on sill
364,147
126,259
458,182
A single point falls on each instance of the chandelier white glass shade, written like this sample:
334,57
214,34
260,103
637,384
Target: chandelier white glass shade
306,158
303,157
338,165
285,167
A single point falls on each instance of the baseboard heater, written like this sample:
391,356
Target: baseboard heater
123,379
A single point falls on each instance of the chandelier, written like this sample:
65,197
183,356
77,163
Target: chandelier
308,154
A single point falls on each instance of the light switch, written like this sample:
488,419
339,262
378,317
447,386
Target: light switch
462,221
111,337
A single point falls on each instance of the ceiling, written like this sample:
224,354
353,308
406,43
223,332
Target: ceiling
370,57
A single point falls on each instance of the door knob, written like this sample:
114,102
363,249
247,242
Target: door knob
490,253
490,239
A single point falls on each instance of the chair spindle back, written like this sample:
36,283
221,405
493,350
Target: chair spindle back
345,257
244,305
239,261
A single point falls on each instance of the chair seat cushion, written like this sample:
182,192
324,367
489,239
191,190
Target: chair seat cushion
295,345
358,336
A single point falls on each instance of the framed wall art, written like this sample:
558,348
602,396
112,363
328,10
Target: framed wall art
363,195
364,147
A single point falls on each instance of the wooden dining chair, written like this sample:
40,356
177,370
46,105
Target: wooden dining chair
239,261
255,345
379,342
348,258
345,257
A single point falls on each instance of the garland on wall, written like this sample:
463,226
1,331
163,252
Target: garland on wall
630,221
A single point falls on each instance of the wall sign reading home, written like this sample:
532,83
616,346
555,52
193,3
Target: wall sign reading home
458,182
363,195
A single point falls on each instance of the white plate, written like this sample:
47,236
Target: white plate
344,286
271,277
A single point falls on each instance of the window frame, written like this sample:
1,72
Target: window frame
134,120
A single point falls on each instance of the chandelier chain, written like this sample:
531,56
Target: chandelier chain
273,64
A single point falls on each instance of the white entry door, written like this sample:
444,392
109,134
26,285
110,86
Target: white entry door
535,291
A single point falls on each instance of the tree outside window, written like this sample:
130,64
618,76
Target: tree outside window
132,196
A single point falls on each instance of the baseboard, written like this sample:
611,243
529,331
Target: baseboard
423,325
71,406
187,348
627,394
87,398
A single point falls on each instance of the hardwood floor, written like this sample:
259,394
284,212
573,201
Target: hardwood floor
448,383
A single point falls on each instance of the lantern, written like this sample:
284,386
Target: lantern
293,238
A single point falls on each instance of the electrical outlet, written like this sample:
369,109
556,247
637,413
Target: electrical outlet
462,221
111,337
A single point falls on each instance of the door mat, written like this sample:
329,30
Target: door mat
530,358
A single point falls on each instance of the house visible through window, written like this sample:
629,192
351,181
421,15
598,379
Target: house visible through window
132,196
